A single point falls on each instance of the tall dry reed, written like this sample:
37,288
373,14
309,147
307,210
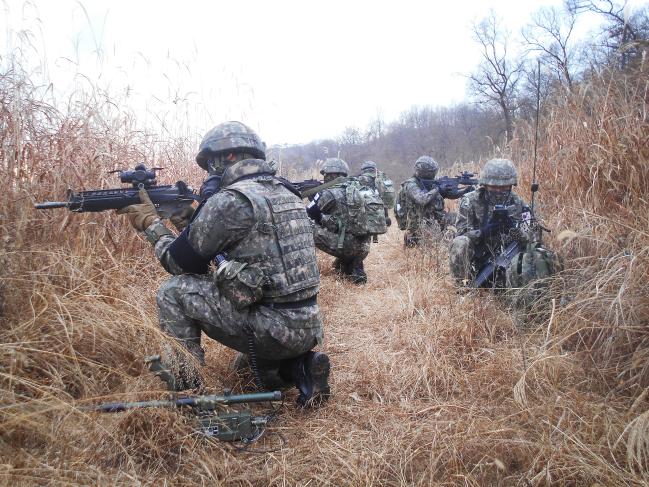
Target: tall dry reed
430,387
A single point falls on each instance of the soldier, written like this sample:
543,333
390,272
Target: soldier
373,178
335,231
478,237
370,176
262,300
420,207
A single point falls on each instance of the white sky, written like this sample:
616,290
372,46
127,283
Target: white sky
293,70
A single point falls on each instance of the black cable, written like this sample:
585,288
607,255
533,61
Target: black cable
252,355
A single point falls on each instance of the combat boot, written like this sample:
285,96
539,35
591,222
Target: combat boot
343,266
310,374
358,275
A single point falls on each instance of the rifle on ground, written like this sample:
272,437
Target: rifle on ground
211,420
223,426
310,187
169,199
449,187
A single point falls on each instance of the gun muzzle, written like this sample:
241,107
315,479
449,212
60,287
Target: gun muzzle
49,205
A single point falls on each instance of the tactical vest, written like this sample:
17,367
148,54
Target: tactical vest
281,241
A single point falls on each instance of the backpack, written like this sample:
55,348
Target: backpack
528,273
534,263
385,187
364,210
400,208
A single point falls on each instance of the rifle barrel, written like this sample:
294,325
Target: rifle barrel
48,205
211,401
202,402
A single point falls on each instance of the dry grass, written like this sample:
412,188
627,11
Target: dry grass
430,387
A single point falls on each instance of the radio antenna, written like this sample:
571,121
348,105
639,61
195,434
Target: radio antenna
535,186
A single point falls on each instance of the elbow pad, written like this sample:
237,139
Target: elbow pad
186,257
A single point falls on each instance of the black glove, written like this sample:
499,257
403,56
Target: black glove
210,186
388,221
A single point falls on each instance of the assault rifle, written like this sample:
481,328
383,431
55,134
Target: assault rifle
211,420
449,187
310,187
169,199
495,268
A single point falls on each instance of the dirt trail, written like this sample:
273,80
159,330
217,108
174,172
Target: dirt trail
400,348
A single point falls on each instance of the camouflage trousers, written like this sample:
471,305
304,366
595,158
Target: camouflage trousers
189,305
352,247
461,256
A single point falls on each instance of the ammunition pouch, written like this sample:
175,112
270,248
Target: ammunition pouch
241,283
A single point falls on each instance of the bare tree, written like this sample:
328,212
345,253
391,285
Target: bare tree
549,35
350,136
496,78
375,128
625,33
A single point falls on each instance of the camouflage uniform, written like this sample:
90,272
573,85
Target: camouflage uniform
471,248
424,212
257,221
352,250
369,174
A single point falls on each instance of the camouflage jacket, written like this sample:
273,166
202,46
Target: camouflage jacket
422,206
228,222
475,212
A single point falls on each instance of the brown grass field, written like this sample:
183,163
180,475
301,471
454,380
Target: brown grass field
430,387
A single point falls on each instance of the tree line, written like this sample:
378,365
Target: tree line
502,89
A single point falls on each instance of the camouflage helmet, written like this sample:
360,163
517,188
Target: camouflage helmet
368,166
499,172
229,137
333,165
426,167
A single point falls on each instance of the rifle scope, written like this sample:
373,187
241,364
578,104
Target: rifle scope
140,176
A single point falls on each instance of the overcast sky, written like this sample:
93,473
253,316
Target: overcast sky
293,70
